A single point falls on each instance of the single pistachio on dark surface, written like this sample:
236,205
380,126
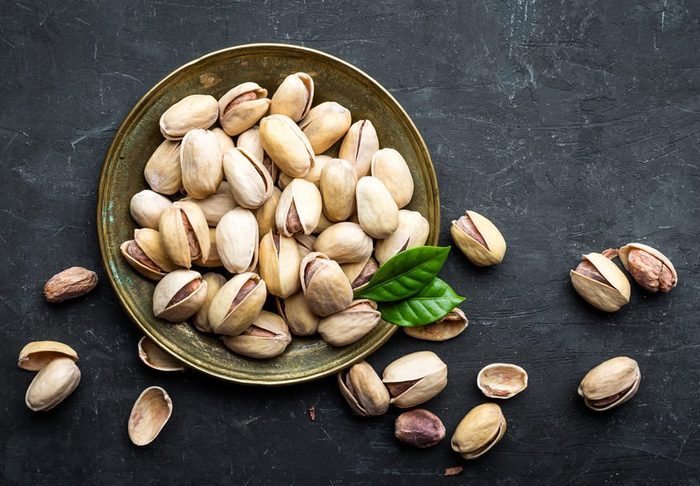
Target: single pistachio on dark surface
481,429
501,380
69,284
419,428
600,282
415,378
649,267
363,390
52,384
479,239
150,413
610,384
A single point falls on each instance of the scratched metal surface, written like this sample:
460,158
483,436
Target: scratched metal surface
574,126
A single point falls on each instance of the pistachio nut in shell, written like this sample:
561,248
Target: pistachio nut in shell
265,214
450,326
184,233
154,357
237,240
600,282
200,159
345,243
360,273
481,429
415,378
241,107
150,413
214,282
237,304
146,254
419,428
649,267
179,295
501,380
296,312
225,142
250,182
215,206
299,208
163,172
314,174
351,324
479,239
286,145
391,168
250,142
377,212
325,124
359,145
279,264
337,186
267,336
294,96
36,355
610,384
146,207
363,390
413,230
52,384
214,260
191,112
324,284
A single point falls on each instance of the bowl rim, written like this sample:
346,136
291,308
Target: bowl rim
127,122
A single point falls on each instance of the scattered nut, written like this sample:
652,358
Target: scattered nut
419,428
69,284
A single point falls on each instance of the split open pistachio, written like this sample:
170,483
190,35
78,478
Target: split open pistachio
413,230
481,429
200,159
294,96
360,273
299,317
279,264
266,337
250,182
146,254
337,186
154,357
237,240
479,239
36,355
351,324
415,378
237,304
56,380
191,112
600,282
163,172
359,145
214,283
184,233
363,390
377,212
179,295
286,145
610,384
450,326
501,380
324,284
345,243
389,166
649,267
241,107
150,413
325,124
299,208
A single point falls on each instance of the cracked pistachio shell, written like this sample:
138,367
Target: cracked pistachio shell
148,257
299,208
363,390
225,142
415,378
214,282
191,112
325,286
179,295
296,312
241,107
200,158
36,355
150,413
359,145
608,295
345,243
52,384
479,239
184,233
267,336
250,142
146,207
325,124
377,212
450,326
390,167
154,357
286,145
213,261
305,243
314,174
237,303
337,186
649,267
215,206
265,214
250,182
237,240
610,384
294,96
163,172
412,231
350,324
501,380
279,264
360,273
481,429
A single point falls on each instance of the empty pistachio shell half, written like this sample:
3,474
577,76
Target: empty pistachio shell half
600,282
479,239
215,206
446,328
250,142
163,172
52,384
294,96
156,358
359,145
377,212
351,324
200,159
345,243
237,304
501,380
296,312
267,336
250,182
265,214
146,254
481,429
286,145
649,267
241,107
146,207
299,208
325,124
360,273
337,186
363,390
191,112
610,384
413,230
184,233
390,167
237,240
415,378
37,354
179,295
214,282
150,413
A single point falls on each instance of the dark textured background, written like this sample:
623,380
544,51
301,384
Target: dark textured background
574,126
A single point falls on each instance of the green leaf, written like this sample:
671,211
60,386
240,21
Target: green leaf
405,274
429,305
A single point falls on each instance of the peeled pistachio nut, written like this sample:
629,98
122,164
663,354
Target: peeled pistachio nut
350,324
279,264
184,233
337,186
363,390
250,182
295,311
145,253
191,112
314,174
481,429
163,172
305,243
294,96
154,357
359,145
649,267
376,210
299,208
237,240
600,282
345,243
415,378
325,124
610,384
225,142
237,304
390,167
241,107
179,295
286,145
413,230
501,380
360,273
69,284
52,384
268,336
214,260
419,428
446,328
250,142
146,207
324,284
150,413
200,159
214,283
215,206
265,214
323,224
37,354
479,239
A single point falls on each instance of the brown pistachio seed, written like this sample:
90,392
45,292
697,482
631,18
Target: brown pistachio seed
293,222
254,330
396,389
311,269
649,271
419,428
195,251
246,288
185,291
135,252
366,274
69,284
467,225
249,96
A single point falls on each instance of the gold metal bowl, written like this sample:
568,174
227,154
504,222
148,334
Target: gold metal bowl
122,176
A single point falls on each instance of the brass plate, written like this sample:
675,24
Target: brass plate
122,176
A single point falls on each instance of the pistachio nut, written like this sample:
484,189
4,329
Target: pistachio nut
501,380
214,261
225,142
314,174
325,124
146,207
286,145
413,230
52,384
215,206
37,354
359,145
649,267
481,429
360,273
265,214
337,186
299,208
191,112
179,295
479,239
150,413
294,96
350,324
184,233
154,357
415,378
610,384
324,284
250,182
237,304
237,240
363,390
391,168
377,212
214,283
345,243
250,142
200,158
600,282
295,311
146,254
419,428
163,172
279,264
446,328
268,336
305,243
241,107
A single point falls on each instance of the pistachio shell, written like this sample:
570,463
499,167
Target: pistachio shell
450,326
325,124
146,207
237,240
296,312
363,390
649,267
376,210
214,282
337,186
183,245
200,158
286,145
314,174
265,214
610,384
294,96
150,413
37,354
191,112
501,380
154,357
608,296
324,284
163,172
415,378
481,429
413,230
359,145
169,289
250,182
268,336
214,261
279,264
390,167
237,304
360,273
345,243
250,142
52,384
241,107
215,206
148,257
479,239
350,324
225,142
299,208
